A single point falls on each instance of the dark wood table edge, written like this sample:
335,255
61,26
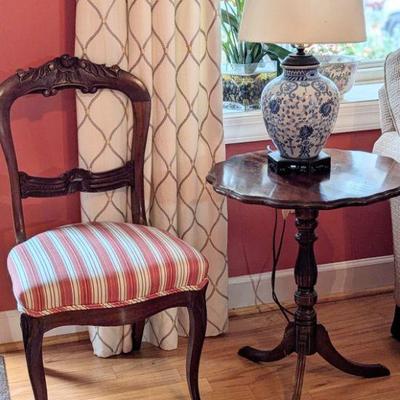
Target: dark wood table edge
282,205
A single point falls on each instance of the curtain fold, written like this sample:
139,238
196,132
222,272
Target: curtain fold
174,47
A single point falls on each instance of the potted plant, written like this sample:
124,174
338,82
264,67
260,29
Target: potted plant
245,72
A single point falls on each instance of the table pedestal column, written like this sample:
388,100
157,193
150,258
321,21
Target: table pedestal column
304,336
306,274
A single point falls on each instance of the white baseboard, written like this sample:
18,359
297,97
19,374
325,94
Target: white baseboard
10,330
348,277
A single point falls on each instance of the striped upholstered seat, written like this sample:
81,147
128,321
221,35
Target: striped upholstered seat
102,265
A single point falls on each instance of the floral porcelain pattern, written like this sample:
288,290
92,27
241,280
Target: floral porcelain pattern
300,109
343,74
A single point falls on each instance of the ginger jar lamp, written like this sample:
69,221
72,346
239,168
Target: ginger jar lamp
300,107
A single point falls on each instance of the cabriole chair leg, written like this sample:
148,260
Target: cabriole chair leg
32,333
137,335
198,323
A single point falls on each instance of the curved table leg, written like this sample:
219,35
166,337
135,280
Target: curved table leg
285,348
327,351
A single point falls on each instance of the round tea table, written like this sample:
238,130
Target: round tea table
356,179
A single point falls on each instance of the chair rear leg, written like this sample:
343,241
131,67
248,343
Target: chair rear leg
198,323
137,335
32,332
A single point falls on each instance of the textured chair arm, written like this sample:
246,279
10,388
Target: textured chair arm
387,123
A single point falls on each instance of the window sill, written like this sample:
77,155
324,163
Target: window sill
359,111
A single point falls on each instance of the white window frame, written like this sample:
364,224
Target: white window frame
370,72
359,110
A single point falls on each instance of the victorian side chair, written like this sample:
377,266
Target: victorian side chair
103,274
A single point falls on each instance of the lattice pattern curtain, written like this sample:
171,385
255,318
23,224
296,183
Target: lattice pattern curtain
174,47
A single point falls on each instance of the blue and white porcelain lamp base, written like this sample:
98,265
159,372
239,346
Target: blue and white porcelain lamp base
300,108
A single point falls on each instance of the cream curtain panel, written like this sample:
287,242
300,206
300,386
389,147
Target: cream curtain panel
174,47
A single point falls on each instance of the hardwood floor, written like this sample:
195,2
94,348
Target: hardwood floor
359,328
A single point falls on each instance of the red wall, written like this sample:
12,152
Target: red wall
344,234
32,32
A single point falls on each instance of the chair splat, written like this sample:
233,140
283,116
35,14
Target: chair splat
77,180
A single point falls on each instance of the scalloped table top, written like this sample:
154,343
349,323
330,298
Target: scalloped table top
357,178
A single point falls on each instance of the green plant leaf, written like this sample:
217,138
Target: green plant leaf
240,52
280,51
230,20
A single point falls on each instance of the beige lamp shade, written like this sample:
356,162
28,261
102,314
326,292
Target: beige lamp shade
303,21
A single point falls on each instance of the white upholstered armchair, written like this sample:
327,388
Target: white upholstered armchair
389,145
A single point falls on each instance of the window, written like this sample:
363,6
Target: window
359,110
383,32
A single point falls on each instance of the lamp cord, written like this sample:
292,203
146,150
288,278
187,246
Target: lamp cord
276,253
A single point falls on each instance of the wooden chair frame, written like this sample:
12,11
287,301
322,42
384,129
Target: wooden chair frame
70,72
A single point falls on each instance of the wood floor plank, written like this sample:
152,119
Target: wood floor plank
359,328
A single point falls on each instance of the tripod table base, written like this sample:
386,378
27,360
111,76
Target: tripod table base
324,348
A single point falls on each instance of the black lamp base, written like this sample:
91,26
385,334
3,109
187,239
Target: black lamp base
283,166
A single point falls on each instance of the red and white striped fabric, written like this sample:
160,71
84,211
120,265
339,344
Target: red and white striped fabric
101,265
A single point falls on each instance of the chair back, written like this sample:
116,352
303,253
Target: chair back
392,85
68,72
